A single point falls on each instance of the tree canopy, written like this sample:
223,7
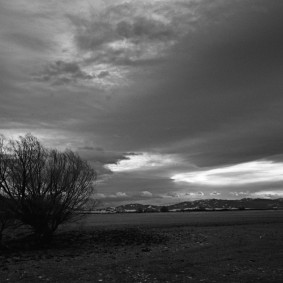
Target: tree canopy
44,187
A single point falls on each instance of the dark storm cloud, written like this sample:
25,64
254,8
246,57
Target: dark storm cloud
240,50
102,156
225,77
218,101
100,160
234,84
250,143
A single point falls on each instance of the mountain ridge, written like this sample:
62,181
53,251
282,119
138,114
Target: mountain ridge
206,204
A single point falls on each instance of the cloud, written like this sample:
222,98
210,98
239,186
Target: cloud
62,72
215,193
240,194
143,161
240,174
189,87
130,32
172,194
106,157
134,29
101,160
268,194
27,41
118,22
99,196
103,74
195,194
184,195
146,194
119,195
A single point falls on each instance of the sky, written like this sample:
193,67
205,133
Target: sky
169,100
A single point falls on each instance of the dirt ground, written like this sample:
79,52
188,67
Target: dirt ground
234,252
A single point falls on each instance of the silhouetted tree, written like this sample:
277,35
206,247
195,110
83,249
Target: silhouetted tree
44,187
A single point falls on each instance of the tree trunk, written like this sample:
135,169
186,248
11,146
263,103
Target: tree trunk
1,237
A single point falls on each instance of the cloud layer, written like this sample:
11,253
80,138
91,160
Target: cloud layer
151,92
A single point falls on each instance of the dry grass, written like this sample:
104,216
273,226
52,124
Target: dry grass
237,248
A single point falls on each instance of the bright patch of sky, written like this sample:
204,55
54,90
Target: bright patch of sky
143,161
240,174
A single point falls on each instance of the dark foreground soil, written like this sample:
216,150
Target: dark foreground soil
224,253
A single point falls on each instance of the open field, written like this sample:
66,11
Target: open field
184,218
240,246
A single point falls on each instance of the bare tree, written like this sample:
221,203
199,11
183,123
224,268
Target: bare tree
6,218
45,187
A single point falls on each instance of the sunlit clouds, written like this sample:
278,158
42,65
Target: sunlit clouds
144,161
268,194
240,174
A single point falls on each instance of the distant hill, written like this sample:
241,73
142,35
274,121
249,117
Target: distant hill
247,203
137,207
207,204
